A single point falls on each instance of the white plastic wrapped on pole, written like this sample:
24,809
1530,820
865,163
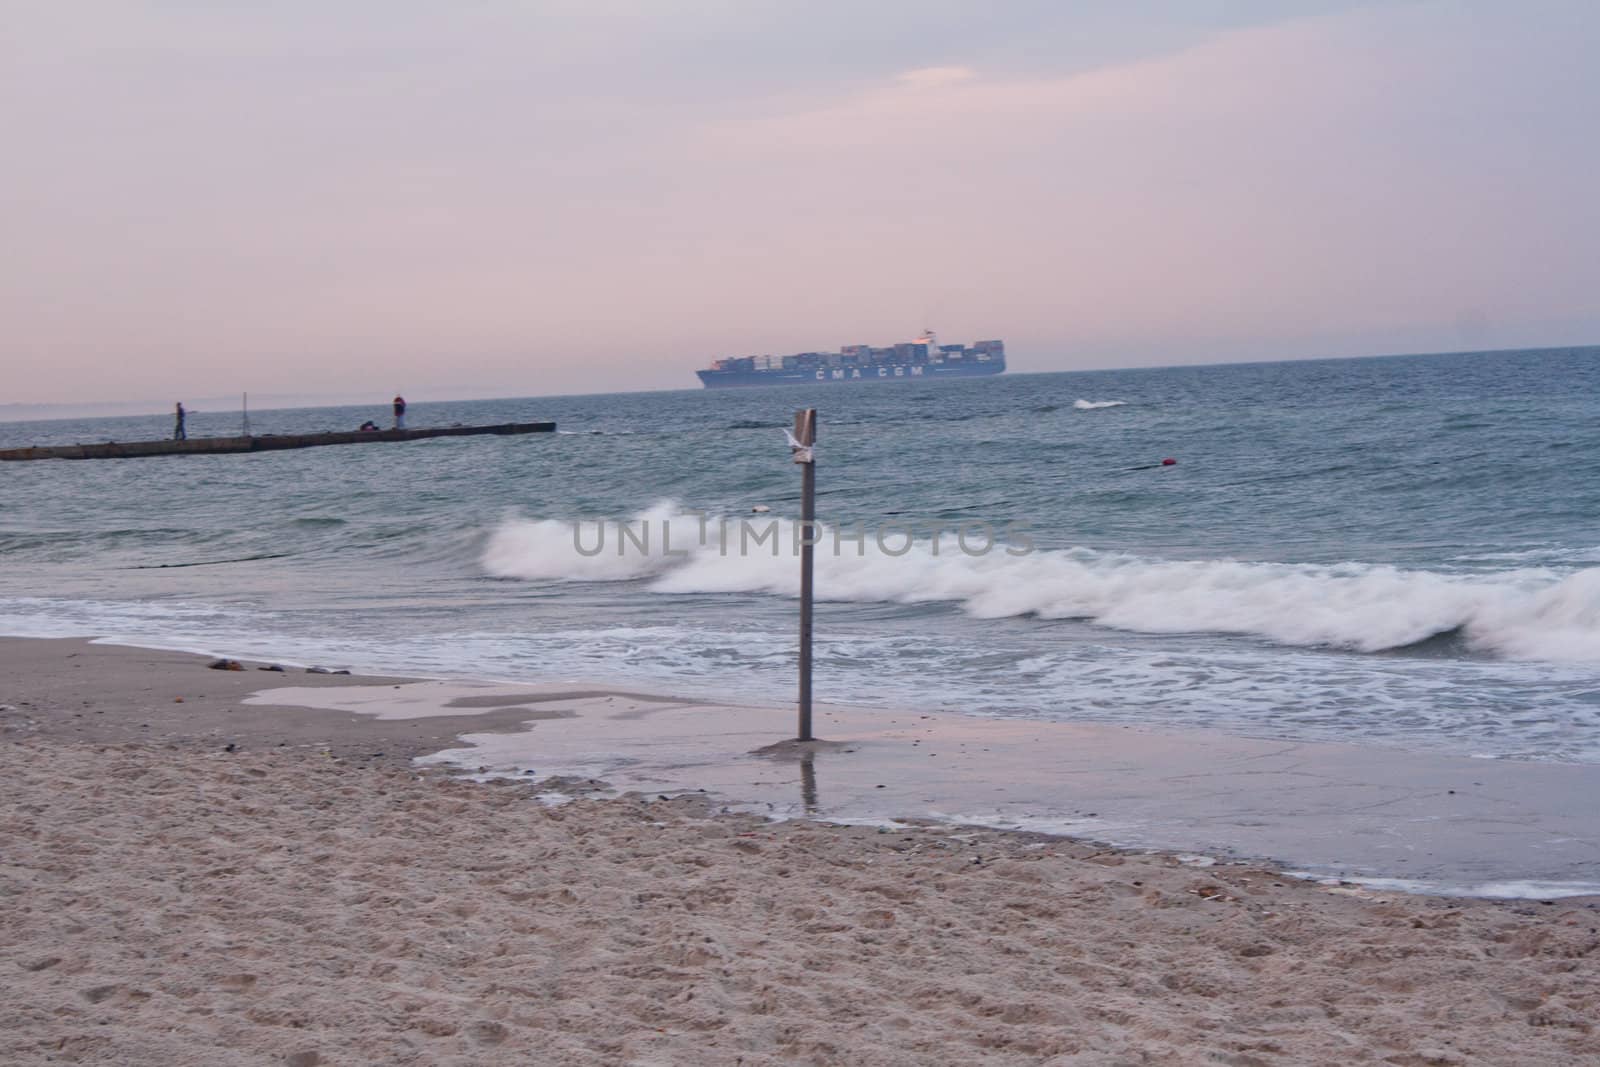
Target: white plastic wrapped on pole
801,453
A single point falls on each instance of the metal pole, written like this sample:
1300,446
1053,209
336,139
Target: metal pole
805,432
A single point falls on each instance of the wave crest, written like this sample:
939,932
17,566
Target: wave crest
1534,614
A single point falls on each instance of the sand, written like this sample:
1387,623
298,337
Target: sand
299,901
71,689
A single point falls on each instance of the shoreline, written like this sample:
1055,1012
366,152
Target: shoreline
1390,819
299,900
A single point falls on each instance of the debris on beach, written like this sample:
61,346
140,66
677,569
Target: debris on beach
226,665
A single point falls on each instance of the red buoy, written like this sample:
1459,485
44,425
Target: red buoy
1169,462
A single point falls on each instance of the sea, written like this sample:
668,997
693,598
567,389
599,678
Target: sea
1397,551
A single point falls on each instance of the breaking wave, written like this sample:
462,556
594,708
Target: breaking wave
1090,405
1527,614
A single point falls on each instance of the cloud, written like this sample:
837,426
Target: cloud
934,77
1337,178
511,200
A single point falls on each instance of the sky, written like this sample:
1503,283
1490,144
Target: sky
464,198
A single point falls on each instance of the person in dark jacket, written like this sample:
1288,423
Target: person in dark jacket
179,432
399,412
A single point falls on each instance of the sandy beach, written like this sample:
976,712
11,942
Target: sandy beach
190,879
889,534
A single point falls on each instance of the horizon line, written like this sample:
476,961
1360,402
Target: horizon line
132,408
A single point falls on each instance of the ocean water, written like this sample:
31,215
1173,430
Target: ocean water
1393,551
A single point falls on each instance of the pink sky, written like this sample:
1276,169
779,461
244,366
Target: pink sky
516,199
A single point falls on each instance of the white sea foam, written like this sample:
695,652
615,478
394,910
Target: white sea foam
558,549
1517,890
1545,556
1091,405
1531,614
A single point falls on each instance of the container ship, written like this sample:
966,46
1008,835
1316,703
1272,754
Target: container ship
909,361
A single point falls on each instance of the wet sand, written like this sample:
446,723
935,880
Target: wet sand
1437,823
69,689
300,900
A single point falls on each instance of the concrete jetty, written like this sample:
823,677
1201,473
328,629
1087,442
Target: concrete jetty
201,446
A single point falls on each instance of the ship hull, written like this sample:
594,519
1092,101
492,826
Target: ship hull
725,379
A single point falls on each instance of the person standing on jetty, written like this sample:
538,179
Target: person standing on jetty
399,412
179,433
